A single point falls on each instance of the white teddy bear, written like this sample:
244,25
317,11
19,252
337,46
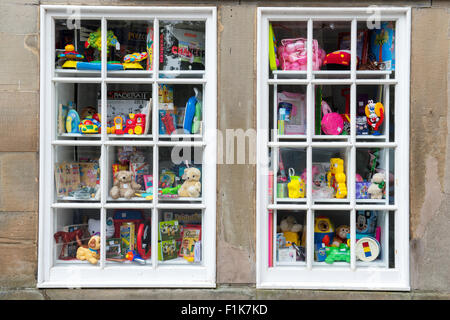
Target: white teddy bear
377,187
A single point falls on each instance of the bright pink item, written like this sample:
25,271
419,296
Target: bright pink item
292,54
332,122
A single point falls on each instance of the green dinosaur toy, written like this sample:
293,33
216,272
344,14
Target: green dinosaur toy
341,253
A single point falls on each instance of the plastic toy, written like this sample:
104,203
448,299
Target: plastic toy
66,238
118,126
367,249
273,61
170,190
336,177
323,231
135,124
197,120
168,122
95,40
72,121
382,46
375,116
91,253
292,54
338,60
341,253
88,126
144,240
362,190
97,65
332,122
71,56
131,61
376,189
295,185
94,227
190,112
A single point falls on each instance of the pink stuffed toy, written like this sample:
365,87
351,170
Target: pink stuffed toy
292,54
332,122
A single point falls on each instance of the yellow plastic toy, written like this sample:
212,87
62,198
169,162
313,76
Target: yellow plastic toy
296,187
71,56
336,177
131,61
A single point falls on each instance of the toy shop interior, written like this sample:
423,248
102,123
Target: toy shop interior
311,138
116,151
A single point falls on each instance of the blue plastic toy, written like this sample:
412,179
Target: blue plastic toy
190,113
72,121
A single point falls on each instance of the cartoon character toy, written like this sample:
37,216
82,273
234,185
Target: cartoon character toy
71,56
336,177
131,61
375,116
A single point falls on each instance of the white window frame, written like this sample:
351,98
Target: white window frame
131,275
309,276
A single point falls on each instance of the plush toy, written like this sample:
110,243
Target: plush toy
376,189
124,185
87,113
340,235
290,229
94,227
191,186
91,253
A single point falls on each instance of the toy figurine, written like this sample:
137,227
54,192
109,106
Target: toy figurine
131,61
376,189
341,235
375,116
341,253
323,231
70,55
91,253
336,177
95,40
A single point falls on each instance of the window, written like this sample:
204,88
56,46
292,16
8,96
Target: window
333,148
127,147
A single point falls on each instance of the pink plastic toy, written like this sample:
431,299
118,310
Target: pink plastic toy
292,54
332,122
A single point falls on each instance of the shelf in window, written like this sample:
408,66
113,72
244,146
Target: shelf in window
371,201
290,264
330,137
291,136
130,136
334,200
303,200
180,199
97,73
185,74
128,200
77,199
179,261
371,137
79,135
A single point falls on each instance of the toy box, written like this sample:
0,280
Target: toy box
167,250
288,254
382,45
113,248
139,170
191,235
169,230
361,190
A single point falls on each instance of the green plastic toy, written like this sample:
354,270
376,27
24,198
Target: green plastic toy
341,253
95,40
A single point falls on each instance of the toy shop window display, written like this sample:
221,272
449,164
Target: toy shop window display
131,173
77,114
77,173
76,236
73,49
179,237
376,49
129,111
182,49
375,176
331,112
128,237
180,111
180,174
287,112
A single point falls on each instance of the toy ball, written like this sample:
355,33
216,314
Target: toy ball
332,122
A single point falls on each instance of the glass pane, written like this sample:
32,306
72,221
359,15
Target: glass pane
376,48
180,236
332,112
77,173
131,173
288,49
291,175
180,110
77,112
77,53
73,231
372,180
129,109
333,38
182,46
375,112
131,47
330,167
180,174
290,111
330,238
128,237
290,237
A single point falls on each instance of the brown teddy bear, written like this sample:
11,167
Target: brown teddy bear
191,186
124,185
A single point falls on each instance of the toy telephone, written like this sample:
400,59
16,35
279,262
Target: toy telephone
118,125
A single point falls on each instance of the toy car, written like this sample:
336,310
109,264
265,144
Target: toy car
88,126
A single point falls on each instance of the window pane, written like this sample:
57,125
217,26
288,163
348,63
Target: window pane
290,237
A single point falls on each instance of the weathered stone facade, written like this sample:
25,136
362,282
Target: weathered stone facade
429,158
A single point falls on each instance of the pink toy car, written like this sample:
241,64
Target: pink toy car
292,54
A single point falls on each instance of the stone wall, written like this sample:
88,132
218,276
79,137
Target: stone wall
429,158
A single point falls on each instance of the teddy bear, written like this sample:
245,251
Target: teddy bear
191,186
341,235
376,189
124,185
290,229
